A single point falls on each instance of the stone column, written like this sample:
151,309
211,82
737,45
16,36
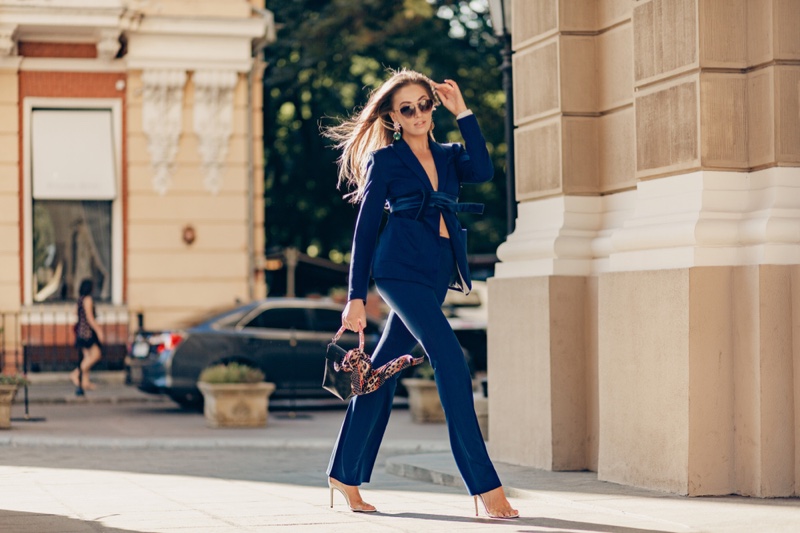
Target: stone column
574,111
686,315
658,149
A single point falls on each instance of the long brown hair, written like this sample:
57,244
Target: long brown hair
371,129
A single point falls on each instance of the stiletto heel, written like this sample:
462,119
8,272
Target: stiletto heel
334,484
488,513
329,486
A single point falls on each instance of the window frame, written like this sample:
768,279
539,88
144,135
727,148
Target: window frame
114,105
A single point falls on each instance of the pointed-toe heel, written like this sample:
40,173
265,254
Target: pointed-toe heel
334,484
488,512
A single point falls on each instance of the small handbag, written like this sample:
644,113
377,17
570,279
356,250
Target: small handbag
349,372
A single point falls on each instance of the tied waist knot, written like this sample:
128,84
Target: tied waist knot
441,200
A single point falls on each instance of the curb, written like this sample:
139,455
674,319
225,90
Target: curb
444,472
395,447
107,377
77,400
399,466
440,468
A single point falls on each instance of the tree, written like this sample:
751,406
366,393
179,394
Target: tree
328,56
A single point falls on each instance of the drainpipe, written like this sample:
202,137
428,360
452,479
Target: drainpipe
251,234
258,48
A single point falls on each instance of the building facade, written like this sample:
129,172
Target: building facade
645,318
130,154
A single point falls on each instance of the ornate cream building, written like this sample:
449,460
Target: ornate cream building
130,154
645,317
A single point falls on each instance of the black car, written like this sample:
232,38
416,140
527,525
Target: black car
284,337
469,318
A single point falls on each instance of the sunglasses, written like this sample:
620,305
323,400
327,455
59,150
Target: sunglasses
409,110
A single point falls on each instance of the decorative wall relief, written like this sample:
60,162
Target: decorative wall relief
213,121
108,44
162,120
8,40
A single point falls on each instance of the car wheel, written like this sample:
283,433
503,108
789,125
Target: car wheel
189,401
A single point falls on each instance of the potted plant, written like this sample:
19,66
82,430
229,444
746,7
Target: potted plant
235,395
423,396
8,389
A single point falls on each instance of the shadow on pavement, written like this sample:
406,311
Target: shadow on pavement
22,522
297,467
553,525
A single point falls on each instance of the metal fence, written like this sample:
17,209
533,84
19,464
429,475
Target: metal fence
43,339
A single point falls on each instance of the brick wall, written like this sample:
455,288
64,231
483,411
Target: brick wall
81,50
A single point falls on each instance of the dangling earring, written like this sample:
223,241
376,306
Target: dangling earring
397,135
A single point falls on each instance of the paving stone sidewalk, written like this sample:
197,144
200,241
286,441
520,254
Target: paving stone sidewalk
121,461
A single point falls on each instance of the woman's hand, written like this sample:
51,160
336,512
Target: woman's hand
450,96
354,316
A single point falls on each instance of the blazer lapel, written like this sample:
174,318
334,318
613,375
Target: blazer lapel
440,160
405,154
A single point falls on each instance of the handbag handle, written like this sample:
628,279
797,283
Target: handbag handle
360,337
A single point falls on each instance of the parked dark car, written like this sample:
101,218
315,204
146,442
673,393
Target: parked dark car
284,337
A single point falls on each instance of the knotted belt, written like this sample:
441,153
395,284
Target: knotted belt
442,200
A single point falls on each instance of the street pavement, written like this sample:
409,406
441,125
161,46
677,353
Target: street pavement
121,461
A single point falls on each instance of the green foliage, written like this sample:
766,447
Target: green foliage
328,56
231,373
7,379
424,371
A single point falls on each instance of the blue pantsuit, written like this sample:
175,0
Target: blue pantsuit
413,268
416,313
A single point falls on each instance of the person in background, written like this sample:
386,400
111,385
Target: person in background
88,337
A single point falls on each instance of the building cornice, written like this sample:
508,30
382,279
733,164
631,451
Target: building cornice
703,218
153,42
246,28
63,21
194,43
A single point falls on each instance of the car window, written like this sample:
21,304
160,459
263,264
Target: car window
330,320
224,316
327,320
281,318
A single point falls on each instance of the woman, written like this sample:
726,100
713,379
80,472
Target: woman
389,156
88,337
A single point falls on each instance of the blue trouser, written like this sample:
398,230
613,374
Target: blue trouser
416,317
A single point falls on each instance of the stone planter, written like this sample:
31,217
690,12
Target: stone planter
7,393
236,405
423,400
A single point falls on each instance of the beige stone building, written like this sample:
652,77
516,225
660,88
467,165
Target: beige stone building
130,154
645,317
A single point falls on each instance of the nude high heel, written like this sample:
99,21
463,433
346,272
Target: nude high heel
488,513
334,484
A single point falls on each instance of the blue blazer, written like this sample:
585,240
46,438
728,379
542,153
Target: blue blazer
409,244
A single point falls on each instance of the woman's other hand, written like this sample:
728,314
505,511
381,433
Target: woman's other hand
354,316
450,96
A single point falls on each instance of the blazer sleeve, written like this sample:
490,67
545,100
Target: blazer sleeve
366,232
473,164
